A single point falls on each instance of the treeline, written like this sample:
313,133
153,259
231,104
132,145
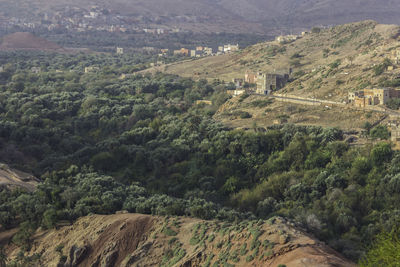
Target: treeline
168,156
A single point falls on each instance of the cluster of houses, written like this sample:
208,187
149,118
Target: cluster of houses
94,18
202,51
289,38
372,97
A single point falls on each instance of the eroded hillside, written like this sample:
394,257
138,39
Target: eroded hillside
11,178
142,240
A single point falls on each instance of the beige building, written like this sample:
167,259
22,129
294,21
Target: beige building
371,97
182,51
267,83
120,50
231,48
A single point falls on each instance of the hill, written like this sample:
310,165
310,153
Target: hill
240,16
326,64
27,41
142,240
347,53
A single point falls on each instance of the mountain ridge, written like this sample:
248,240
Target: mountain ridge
142,240
257,16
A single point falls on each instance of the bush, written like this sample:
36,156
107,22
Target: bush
249,258
380,132
316,30
384,252
393,103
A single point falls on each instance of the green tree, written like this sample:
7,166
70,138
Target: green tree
384,252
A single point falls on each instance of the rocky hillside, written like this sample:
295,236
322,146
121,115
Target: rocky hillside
142,240
12,178
326,64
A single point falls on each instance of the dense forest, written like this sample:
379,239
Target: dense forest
101,143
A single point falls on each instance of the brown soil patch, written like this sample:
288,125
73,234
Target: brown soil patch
27,41
14,178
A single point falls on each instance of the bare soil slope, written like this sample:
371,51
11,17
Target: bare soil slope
27,41
14,178
142,240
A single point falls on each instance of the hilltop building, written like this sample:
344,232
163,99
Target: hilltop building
230,48
201,51
266,83
287,38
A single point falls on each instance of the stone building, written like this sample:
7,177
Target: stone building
371,97
231,48
250,77
267,83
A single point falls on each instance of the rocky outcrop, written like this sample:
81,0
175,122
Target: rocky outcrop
142,240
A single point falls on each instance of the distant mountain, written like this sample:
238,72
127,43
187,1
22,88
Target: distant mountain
260,16
27,41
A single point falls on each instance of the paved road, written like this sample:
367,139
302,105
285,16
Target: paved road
310,101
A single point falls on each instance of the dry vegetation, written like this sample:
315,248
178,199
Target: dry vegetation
326,65
266,112
141,240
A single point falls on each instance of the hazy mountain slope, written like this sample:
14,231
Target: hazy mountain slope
143,240
236,15
257,16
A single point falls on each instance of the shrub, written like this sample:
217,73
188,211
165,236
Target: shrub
380,132
384,252
249,258
316,30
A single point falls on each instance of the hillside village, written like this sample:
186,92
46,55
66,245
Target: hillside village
313,69
218,149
